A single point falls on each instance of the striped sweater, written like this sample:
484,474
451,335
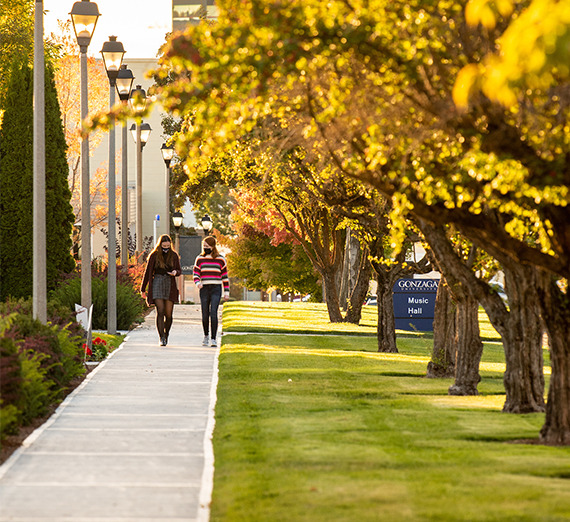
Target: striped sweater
209,271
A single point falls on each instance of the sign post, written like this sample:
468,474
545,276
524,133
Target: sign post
189,247
414,304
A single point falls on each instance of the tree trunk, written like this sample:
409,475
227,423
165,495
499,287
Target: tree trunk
355,253
520,328
556,315
344,274
461,283
522,342
386,321
360,290
331,296
469,348
442,364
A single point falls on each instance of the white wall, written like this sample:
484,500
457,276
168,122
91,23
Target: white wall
154,170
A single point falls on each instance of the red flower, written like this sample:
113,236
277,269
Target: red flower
88,351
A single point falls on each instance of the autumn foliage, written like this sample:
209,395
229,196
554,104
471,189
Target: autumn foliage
69,90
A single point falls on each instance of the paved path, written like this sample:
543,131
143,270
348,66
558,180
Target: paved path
132,443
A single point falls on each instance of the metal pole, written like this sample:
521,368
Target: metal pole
85,195
139,189
154,236
124,201
39,242
167,195
112,249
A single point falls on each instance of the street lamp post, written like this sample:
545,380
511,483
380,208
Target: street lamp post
125,80
177,219
167,155
39,294
113,53
84,16
138,104
207,224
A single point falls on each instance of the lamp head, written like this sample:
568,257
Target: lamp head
124,82
145,132
167,153
207,223
112,52
177,219
84,16
137,99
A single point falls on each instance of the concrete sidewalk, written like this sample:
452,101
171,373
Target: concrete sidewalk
132,443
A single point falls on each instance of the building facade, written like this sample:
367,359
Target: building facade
191,12
153,168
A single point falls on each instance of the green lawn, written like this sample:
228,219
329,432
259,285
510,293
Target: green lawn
315,428
251,316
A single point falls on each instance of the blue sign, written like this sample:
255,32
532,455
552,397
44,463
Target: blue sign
414,304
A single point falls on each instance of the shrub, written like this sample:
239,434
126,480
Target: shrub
9,420
31,334
62,348
10,381
37,392
10,366
56,314
72,350
130,305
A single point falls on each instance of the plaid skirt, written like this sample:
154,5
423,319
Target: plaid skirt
161,286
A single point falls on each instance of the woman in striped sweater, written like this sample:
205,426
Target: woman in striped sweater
210,274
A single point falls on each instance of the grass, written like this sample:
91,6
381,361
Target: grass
313,318
113,341
315,428
249,316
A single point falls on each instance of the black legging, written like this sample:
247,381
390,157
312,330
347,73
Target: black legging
210,296
164,309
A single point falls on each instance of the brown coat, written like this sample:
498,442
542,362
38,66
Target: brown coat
149,276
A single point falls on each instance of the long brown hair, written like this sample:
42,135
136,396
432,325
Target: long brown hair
163,261
211,242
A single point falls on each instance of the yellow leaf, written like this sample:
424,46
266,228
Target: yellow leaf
505,7
466,80
488,17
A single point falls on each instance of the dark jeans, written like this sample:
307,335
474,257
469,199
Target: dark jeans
210,296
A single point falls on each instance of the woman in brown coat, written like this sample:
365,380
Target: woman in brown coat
162,267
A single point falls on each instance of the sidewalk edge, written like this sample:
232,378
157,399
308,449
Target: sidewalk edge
29,440
207,486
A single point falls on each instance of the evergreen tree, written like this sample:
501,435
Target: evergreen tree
16,38
16,187
59,212
16,156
